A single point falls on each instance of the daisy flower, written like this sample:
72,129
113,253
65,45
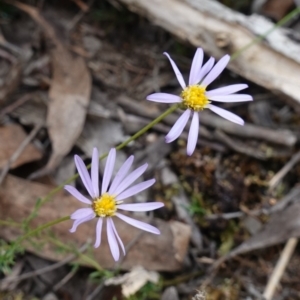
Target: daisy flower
195,97
107,204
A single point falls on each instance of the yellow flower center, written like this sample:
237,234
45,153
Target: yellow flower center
194,97
105,206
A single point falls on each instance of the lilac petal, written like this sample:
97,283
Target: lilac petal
133,176
216,70
95,172
80,221
84,175
178,127
98,232
226,114
81,213
121,174
118,237
73,191
138,224
206,68
196,67
113,245
141,206
135,189
164,98
232,98
226,90
176,71
193,134
109,167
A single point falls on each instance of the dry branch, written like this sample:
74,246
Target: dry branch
274,63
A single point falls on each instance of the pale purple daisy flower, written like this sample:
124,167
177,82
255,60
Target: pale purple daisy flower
194,96
106,205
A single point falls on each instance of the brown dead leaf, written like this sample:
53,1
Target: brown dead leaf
164,252
11,137
69,92
282,226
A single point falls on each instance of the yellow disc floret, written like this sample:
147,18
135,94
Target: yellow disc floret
105,206
194,97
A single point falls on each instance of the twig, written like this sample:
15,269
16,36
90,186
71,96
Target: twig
286,168
280,268
95,292
8,109
48,268
65,280
79,16
19,151
247,149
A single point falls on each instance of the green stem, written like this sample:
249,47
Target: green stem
119,147
41,228
10,223
258,39
89,260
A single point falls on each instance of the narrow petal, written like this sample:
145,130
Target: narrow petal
178,127
232,98
95,171
164,98
73,191
113,245
141,206
133,176
226,90
193,134
109,167
138,224
81,213
206,68
98,232
121,174
196,67
80,221
226,114
135,189
118,237
176,71
216,70
84,175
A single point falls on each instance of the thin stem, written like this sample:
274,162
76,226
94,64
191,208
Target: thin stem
258,39
82,256
119,147
10,223
41,228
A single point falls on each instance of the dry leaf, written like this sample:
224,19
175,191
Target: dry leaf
164,252
133,281
11,137
69,93
282,226
69,98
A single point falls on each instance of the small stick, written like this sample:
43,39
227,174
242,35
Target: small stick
280,268
68,277
287,167
8,109
19,151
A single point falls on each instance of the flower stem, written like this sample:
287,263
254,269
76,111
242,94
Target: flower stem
41,228
258,39
119,147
